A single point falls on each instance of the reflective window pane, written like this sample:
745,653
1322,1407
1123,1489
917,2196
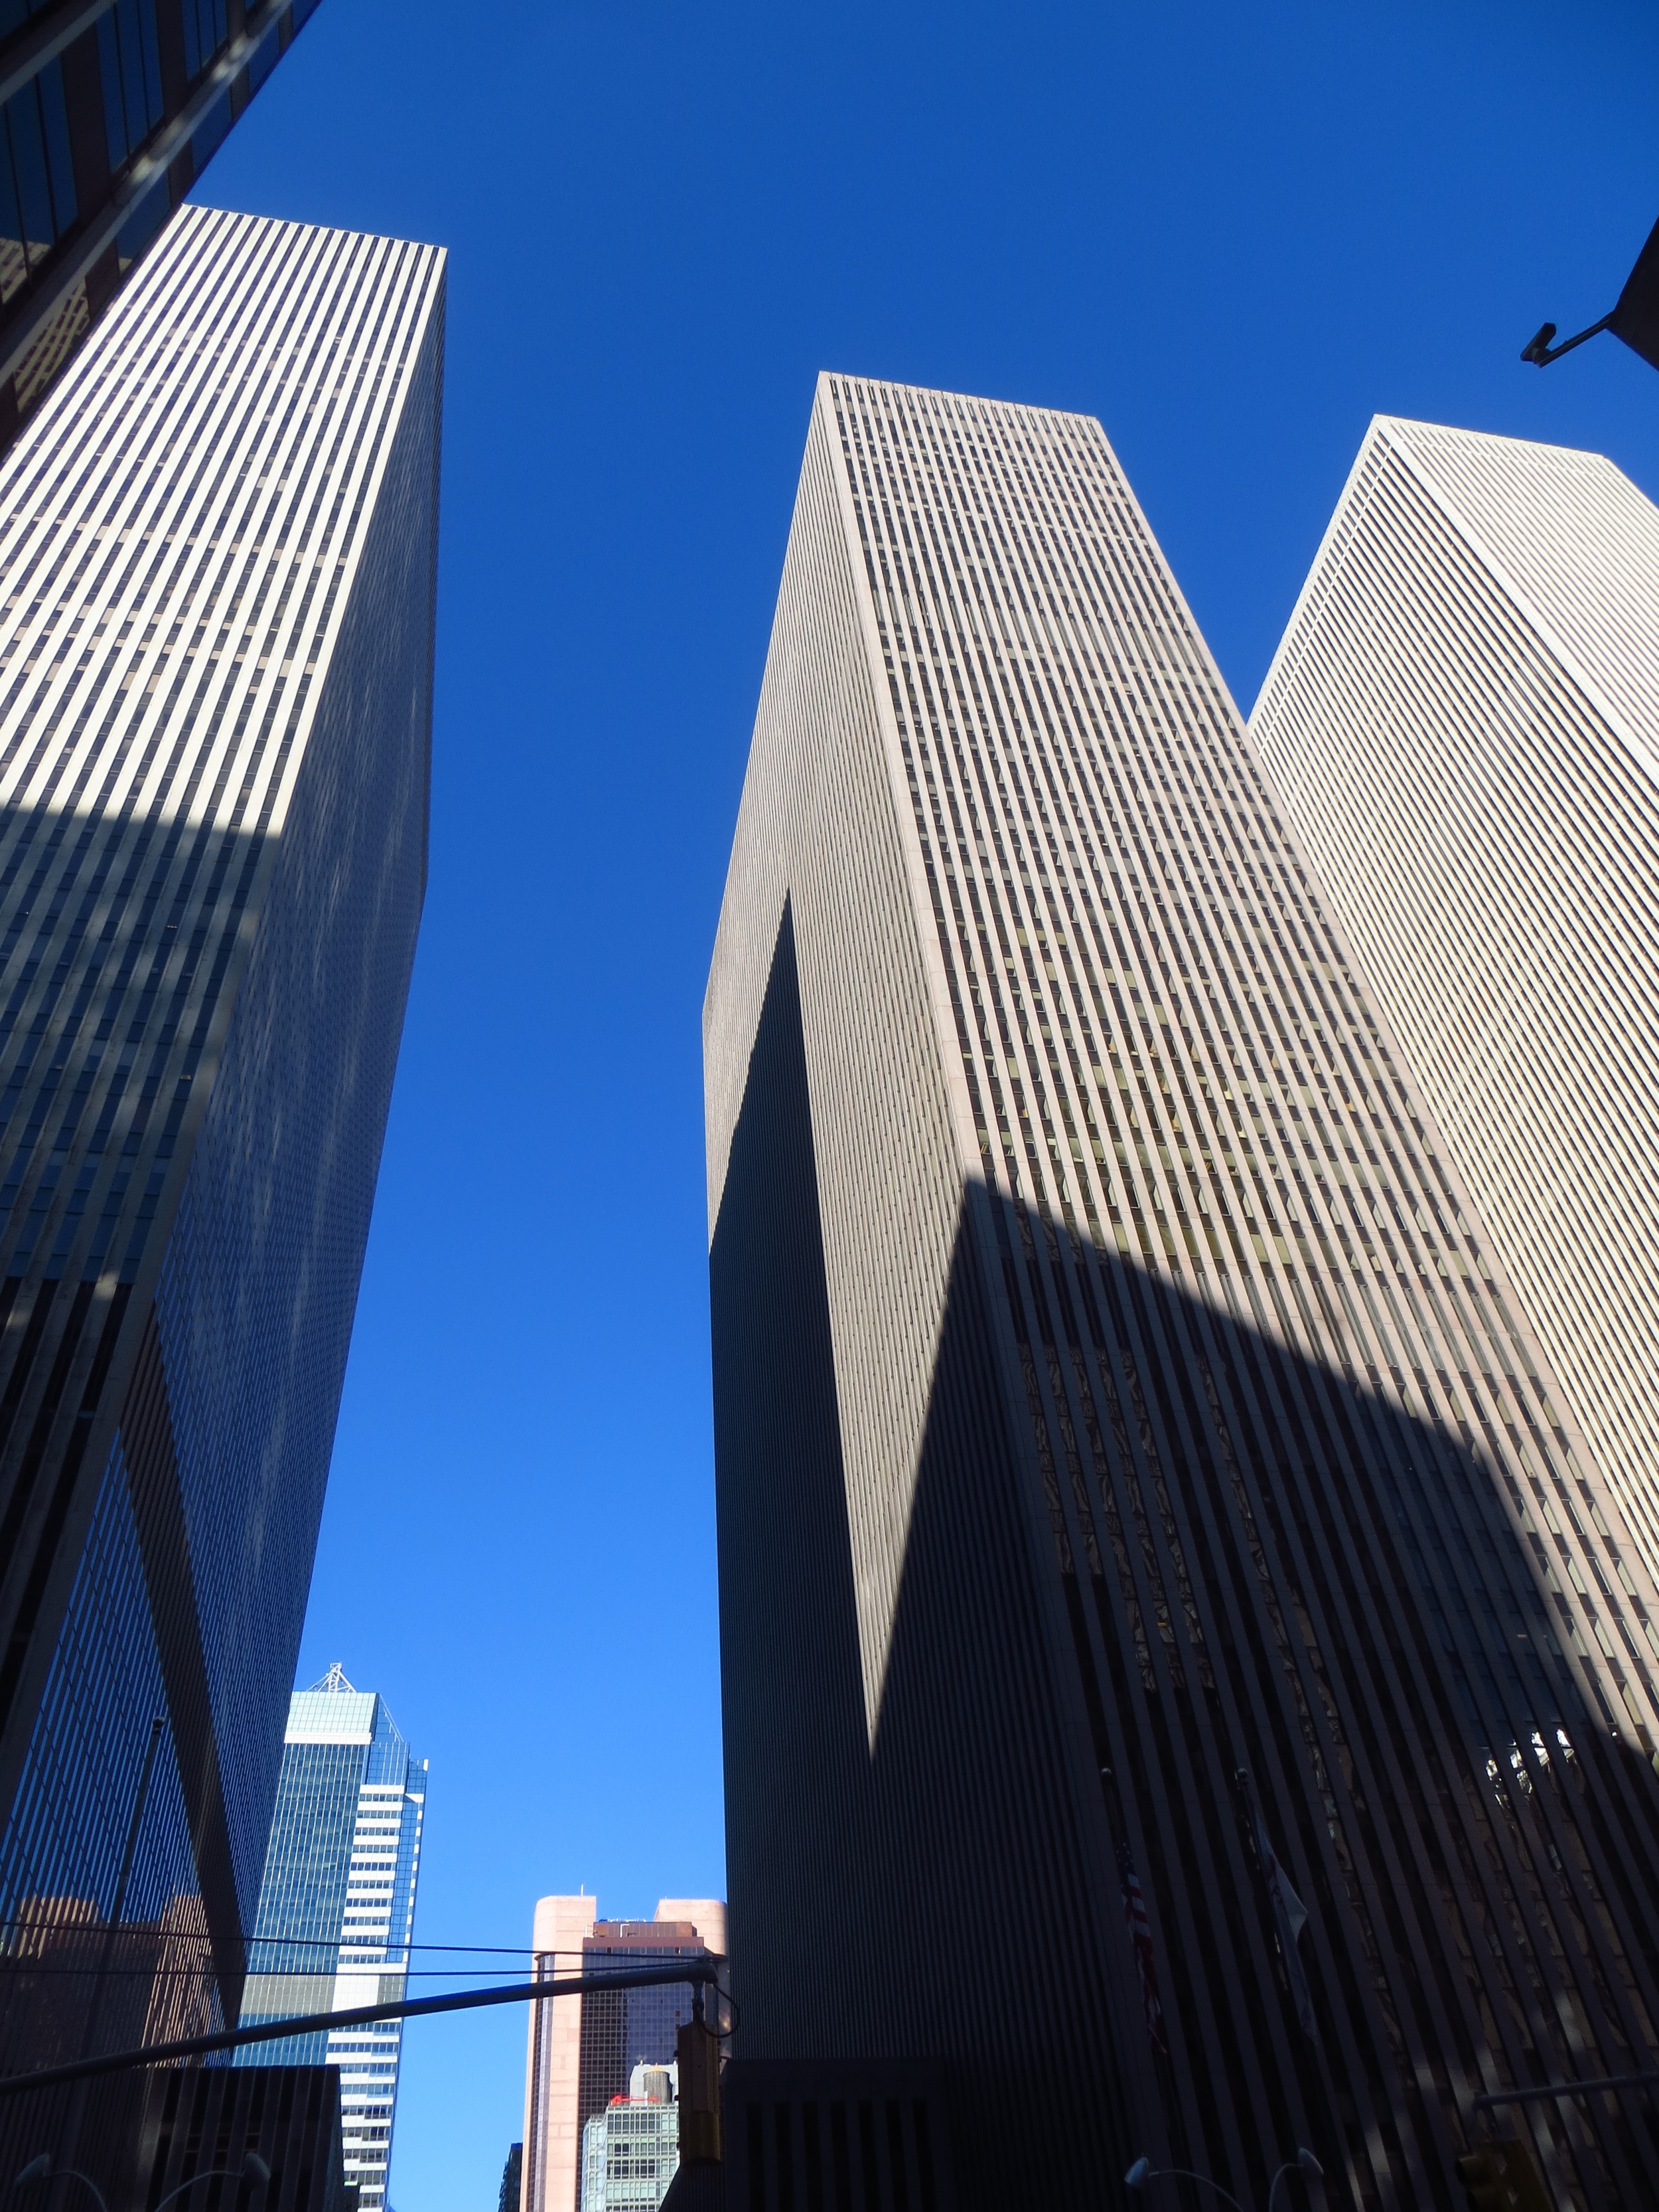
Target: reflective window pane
59,168
152,62
109,70
13,266
132,71
29,157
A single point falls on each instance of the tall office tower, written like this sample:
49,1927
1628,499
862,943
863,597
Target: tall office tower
582,2051
217,543
337,1907
1138,1489
1463,724
108,114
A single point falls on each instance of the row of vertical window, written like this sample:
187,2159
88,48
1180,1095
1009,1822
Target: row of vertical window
37,180
998,837
205,31
130,66
1018,833
16,13
129,62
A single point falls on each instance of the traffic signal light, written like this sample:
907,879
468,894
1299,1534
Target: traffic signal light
1502,2177
699,2091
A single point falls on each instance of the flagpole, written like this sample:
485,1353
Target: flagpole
1289,1915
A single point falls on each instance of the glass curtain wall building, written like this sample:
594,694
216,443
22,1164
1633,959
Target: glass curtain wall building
218,550
1129,1446
1463,721
337,1907
108,114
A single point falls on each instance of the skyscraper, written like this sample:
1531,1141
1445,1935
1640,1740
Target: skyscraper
107,117
218,545
512,2180
583,2050
1138,1488
1462,722
337,1907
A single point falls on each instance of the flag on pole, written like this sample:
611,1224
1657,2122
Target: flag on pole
1290,1918
1140,1942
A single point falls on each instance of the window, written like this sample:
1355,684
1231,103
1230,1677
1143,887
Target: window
14,12
129,65
37,184
205,33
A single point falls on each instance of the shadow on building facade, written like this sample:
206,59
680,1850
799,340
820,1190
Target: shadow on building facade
1197,1592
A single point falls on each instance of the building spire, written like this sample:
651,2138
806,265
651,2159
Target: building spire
334,1680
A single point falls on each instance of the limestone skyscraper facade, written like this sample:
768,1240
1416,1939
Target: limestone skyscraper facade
1142,1503
1463,721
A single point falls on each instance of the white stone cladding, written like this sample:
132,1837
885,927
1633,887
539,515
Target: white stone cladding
1116,1391
823,822
1462,720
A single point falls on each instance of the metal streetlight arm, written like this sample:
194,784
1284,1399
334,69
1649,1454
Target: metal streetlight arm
42,2169
252,2168
1141,2172
700,1972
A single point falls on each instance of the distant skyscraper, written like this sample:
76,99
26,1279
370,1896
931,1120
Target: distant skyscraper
337,1906
1463,723
107,117
512,2187
631,2150
217,538
583,2050
1137,1488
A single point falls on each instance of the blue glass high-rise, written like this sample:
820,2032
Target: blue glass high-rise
337,1906
219,546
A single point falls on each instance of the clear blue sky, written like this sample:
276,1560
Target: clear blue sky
1233,233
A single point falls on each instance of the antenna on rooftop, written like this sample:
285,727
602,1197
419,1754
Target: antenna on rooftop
335,1680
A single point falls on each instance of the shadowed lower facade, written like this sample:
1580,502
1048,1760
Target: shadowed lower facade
1131,1467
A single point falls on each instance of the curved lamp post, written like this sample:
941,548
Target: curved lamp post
1635,317
1143,2172
41,2168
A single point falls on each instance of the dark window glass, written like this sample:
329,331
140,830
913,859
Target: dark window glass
132,70
14,12
205,31
152,62
109,71
28,162
59,168
13,266
129,62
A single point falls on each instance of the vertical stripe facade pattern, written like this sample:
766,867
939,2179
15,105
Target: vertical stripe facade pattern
217,550
1121,1418
1463,720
